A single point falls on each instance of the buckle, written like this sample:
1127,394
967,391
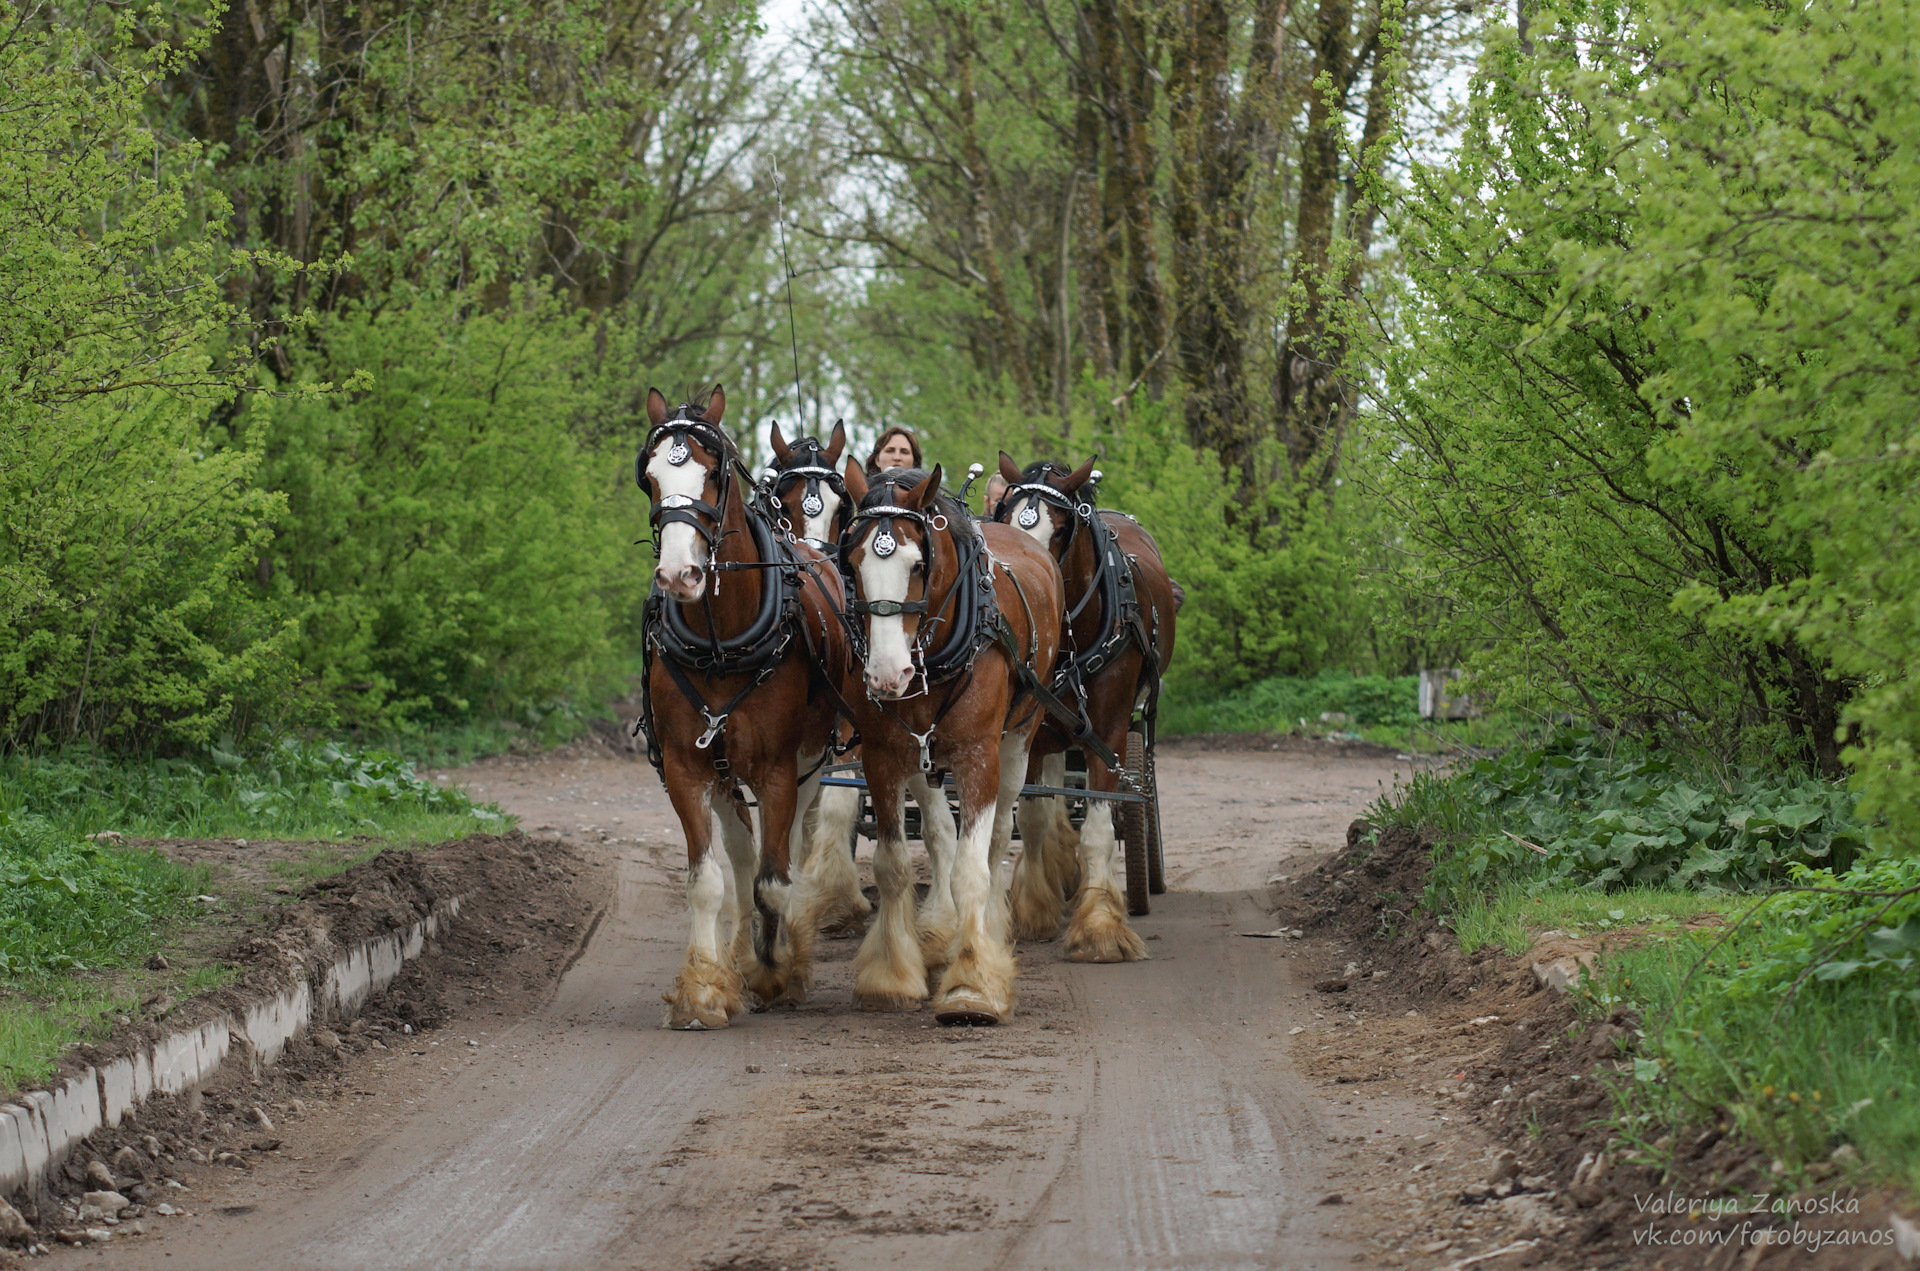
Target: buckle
714,725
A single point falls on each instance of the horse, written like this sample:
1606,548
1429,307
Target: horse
730,677
961,622
1119,638
807,487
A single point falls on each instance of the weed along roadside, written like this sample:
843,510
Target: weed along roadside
1676,1076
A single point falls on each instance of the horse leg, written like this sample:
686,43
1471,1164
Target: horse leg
776,970
1098,931
977,987
1037,898
802,908
888,973
1061,852
936,833
833,899
708,989
736,833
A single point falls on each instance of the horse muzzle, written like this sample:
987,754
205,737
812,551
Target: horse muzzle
686,583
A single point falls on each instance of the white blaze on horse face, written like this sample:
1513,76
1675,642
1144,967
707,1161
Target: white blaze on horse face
682,571
1041,531
820,528
889,658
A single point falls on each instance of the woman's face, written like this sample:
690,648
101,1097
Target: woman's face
896,453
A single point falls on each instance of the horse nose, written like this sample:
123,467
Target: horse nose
888,684
683,582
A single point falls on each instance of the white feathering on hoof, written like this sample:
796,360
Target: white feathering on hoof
1099,931
705,995
833,899
888,972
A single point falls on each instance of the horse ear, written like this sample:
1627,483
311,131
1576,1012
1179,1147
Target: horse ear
921,495
1078,477
1009,470
716,405
839,441
656,408
781,450
856,481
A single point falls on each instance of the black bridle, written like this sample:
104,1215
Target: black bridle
976,619
681,509
759,649
807,462
1079,506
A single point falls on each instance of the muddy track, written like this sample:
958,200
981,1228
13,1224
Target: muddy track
1146,1115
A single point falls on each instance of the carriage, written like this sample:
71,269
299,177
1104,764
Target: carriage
1139,811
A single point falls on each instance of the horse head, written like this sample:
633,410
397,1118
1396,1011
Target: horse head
808,487
890,551
1043,500
685,466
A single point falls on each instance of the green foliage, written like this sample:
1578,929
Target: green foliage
1777,156
1798,1020
1281,704
66,903
1278,600
1528,406
123,526
452,547
295,789
1578,813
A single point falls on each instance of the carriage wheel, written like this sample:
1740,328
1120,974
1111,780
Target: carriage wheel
1156,863
1134,820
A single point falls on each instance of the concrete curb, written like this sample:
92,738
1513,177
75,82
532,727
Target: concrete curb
40,1129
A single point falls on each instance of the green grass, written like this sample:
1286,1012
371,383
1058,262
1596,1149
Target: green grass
1510,914
291,790
1795,1017
78,917
1798,1070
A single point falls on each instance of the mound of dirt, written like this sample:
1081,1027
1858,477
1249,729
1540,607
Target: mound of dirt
527,909
1540,1076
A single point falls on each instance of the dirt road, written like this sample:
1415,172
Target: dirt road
1143,1115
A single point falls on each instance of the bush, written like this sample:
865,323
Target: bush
450,546
1274,599
125,529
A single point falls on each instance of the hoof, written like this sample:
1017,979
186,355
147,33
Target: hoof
1122,945
694,1023
1099,931
966,1010
886,1002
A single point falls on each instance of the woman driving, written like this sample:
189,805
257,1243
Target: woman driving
897,448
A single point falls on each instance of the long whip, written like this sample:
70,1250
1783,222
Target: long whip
793,334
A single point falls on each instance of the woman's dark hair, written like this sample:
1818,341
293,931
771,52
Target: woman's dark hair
913,444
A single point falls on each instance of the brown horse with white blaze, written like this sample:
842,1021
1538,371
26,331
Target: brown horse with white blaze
729,703
957,618
1119,640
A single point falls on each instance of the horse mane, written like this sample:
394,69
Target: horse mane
1039,470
